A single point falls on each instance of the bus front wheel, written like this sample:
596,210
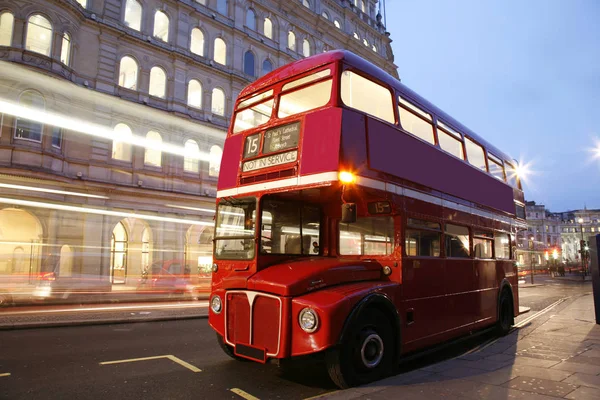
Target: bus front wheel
366,354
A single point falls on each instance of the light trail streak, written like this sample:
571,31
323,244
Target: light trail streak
200,304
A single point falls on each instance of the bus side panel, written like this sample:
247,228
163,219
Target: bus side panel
321,142
230,163
354,142
429,166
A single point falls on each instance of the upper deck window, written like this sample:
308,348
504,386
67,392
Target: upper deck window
450,141
511,175
367,96
259,113
415,121
306,98
496,168
367,236
475,154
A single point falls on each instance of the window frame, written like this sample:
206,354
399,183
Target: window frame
487,237
408,226
470,236
392,243
412,108
372,80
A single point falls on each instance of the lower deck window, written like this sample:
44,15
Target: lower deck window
422,238
457,241
367,236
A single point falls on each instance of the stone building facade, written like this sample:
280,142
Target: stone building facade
114,114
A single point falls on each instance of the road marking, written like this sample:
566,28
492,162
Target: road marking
243,394
168,356
116,308
321,395
539,313
5,374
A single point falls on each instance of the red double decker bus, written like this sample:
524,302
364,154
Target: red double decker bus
357,220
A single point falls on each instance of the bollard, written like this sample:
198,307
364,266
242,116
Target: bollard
595,272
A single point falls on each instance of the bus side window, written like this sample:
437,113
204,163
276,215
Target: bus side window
457,241
422,238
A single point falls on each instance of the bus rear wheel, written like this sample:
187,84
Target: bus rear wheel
366,354
505,314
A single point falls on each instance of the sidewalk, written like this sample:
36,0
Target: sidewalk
556,356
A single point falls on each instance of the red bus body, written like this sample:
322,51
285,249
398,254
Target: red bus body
398,178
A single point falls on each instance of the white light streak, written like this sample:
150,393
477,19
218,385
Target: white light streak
36,189
206,210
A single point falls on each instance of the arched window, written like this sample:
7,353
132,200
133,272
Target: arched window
6,28
337,24
306,3
267,66
194,98
215,161
306,48
39,35
191,157
118,254
366,42
363,7
25,128
375,48
197,42
66,261
153,155
161,26
291,40
325,15
122,148
222,6
220,55
158,82
83,3
356,36
65,51
249,63
251,19
268,28
218,102
133,14
128,72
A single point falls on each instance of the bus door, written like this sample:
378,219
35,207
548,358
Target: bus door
486,274
423,288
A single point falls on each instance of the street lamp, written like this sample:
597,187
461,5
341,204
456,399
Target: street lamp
581,244
531,247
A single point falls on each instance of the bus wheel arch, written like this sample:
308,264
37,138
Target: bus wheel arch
505,309
369,345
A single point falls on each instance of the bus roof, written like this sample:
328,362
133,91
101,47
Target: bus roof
374,71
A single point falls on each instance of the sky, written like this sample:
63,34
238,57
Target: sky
523,74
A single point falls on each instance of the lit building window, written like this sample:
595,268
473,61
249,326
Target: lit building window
194,94
39,35
375,48
220,51
153,155
191,157
158,82
161,26
197,42
122,148
128,71
268,28
363,7
306,3
291,41
222,6
65,51
249,63
251,19
325,15
356,36
218,102
6,28
306,48
82,3
28,129
215,161
267,66
133,14
337,24
56,139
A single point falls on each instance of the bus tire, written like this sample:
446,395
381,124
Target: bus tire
505,313
227,349
366,354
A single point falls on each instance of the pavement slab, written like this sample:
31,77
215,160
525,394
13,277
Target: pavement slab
584,393
521,361
491,392
571,366
540,386
584,380
541,373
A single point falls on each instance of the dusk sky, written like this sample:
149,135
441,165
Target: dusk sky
525,75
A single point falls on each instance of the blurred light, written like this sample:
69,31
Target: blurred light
96,211
207,210
346,177
555,254
580,220
35,189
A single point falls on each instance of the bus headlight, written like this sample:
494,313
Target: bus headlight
308,320
215,304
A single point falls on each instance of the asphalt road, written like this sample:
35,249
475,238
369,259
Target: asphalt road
182,361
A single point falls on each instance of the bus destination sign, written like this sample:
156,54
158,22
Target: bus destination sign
270,161
379,207
281,138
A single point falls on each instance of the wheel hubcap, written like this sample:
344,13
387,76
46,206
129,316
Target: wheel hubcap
371,350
